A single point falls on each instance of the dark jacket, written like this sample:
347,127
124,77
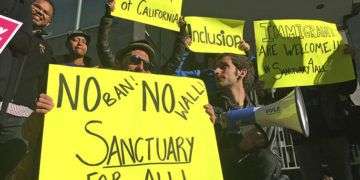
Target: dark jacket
106,55
262,161
18,47
28,74
67,60
221,104
180,54
21,63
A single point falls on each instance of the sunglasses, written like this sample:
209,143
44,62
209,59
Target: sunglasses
137,60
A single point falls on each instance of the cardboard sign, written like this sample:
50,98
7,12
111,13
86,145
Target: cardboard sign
300,53
130,126
215,35
160,13
8,28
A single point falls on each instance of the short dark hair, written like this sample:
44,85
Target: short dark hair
242,62
78,32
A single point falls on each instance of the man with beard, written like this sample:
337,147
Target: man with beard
243,150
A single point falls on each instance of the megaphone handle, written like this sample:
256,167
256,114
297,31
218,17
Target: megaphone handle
223,120
238,117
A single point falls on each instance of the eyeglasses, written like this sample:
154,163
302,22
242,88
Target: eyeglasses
137,60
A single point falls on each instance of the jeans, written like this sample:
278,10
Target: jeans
12,144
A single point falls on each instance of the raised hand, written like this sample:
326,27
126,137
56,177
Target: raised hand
186,37
110,6
244,46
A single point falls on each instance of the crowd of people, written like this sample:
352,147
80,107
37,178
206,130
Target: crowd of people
246,152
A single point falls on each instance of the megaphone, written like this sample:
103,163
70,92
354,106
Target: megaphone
289,112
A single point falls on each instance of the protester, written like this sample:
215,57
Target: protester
17,49
77,44
137,56
22,80
175,66
242,150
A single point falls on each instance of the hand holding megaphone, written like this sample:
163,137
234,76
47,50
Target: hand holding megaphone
288,112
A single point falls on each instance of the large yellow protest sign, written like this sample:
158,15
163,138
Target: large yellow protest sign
215,35
117,125
160,13
300,53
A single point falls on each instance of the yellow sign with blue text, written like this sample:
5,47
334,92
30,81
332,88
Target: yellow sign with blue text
300,53
215,35
160,13
132,126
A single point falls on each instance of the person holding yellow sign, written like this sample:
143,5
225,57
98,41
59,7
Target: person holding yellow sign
21,89
137,56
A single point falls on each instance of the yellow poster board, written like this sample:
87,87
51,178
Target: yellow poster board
300,53
110,124
160,13
215,35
